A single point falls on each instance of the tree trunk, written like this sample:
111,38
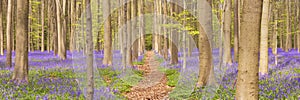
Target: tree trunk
134,31
295,25
58,22
165,38
174,34
89,42
54,27
29,27
247,80
155,27
298,15
1,30
263,64
73,27
107,33
142,26
43,23
21,67
275,33
124,34
8,34
227,33
129,34
13,11
288,41
236,29
60,30
64,31
206,68
98,43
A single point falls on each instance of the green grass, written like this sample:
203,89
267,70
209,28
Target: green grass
172,76
123,84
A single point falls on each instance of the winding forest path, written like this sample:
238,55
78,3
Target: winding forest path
153,86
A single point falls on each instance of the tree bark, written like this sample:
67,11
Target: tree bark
89,42
60,30
1,29
288,42
142,26
124,33
98,43
13,11
275,34
73,27
247,80
54,27
43,23
205,28
263,64
21,67
165,38
298,34
129,34
174,49
227,34
134,31
29,28
8,34
107,33
236,30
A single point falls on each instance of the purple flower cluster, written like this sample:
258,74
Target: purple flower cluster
52,78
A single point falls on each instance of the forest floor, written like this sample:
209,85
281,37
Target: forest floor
151,77
154,85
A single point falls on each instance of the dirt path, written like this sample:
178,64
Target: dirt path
153,86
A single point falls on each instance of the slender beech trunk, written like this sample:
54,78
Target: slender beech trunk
134,31
54,27
129,34
124,34
142,26
288,41
174,34
1,29
298,16
247,80
89,54
58,22
98,43
21,67
165,38
29,28
61,29
263,64
275,33
43,24
108,34
13,11
295,24
206,68
236,30
73,27
227,34
8,34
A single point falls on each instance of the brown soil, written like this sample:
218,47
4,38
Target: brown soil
153,86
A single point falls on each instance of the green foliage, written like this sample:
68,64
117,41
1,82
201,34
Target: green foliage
148,42
172,76
124,83
297,70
